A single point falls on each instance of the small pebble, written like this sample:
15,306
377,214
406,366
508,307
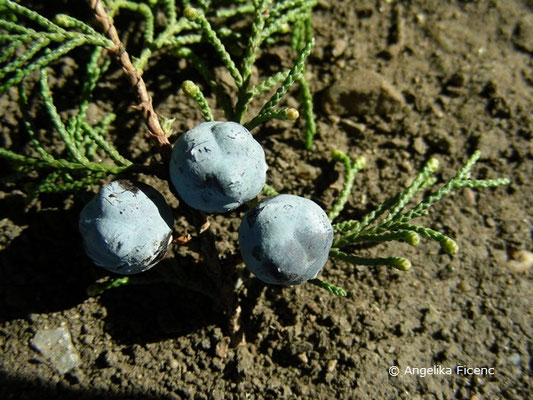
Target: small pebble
303,358
56,346
420,145
515,359
338,47
173,363
463,286
521,262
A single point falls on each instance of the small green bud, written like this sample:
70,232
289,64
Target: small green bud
292,114
430,181
62,19
190,13
269,190
190,88
339,292
403,264
166,124
285,28
433,164
412,238
449,246
359,162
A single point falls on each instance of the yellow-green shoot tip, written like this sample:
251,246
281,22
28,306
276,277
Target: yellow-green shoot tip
403,264
292,114
190,13
433,164
449,246
190,88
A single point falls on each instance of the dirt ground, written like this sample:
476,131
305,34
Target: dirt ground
395,81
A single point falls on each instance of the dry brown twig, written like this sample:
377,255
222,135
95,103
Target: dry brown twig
134,75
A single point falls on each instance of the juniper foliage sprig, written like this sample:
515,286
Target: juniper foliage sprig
302,34
31,43
29,49
270,19
350,169
191,89
77,166
337,291
391,221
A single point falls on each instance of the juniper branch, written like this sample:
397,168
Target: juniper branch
52,186
232,12
250,55
394,226
337,291
295,72
19,62
286,113
447,244
457,181
190,88
222,98
399,200
72,146
64,164
270,82
350,170
405,235
23,101
405,196
286,15
41,62
309,115
108,148
211,36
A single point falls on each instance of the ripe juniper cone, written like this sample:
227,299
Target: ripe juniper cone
126,227
217,166
285,240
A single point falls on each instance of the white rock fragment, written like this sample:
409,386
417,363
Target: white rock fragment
515,359
56,345
521,262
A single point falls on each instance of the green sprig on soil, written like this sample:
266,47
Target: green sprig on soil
337,291
266,25
32,43
302,34
29,49
391,222
77,166
191,89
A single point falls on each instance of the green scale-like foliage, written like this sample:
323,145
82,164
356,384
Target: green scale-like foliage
30,42
390,221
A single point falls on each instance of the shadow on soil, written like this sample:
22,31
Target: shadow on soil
37,389
44,269
151,313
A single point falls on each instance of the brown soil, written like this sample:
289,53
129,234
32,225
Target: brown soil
397,82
